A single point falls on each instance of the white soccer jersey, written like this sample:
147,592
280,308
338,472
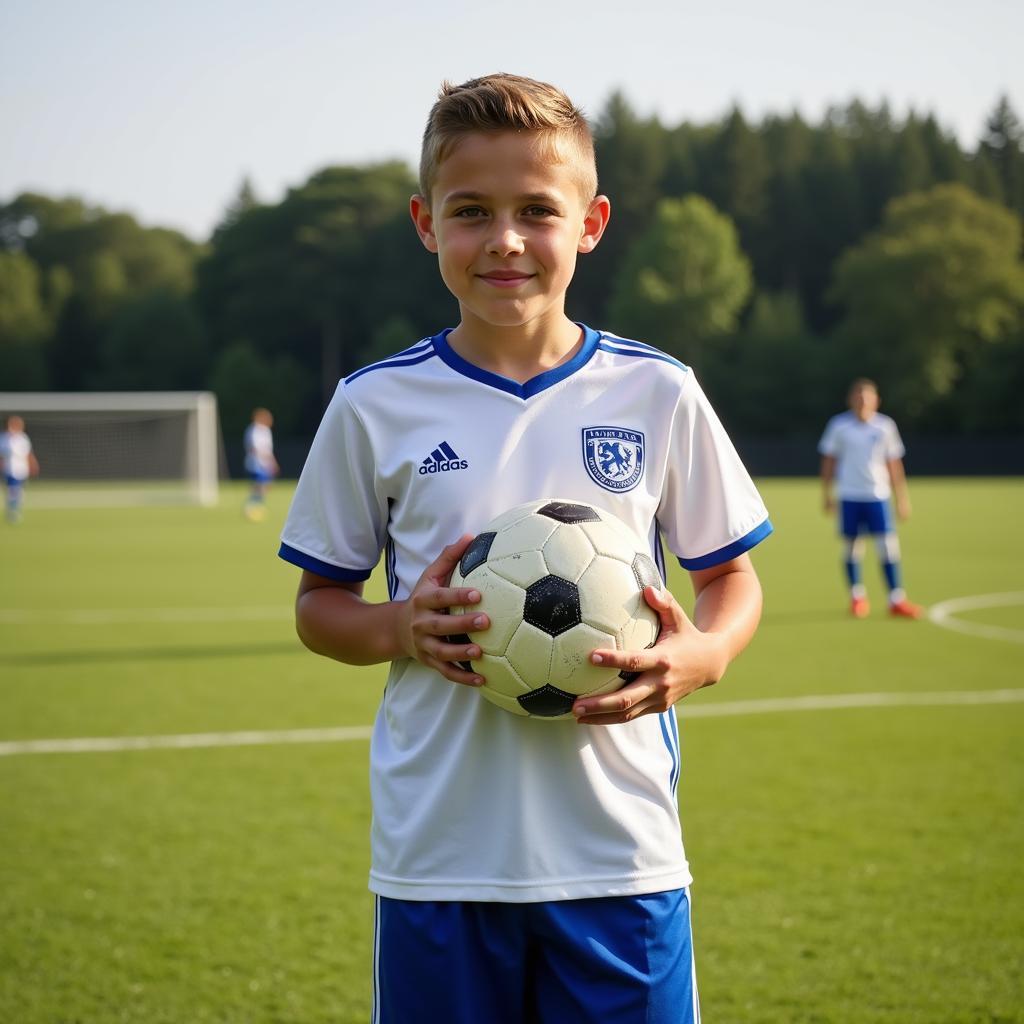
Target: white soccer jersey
259,447
471,802
862,451
15,448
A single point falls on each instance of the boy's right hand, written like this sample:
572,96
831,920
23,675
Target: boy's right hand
425,625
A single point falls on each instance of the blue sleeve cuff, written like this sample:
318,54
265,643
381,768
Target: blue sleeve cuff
730,551
332,572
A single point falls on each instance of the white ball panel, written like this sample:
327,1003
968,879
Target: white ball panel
571,668
503,603
641,631
500,676
529,653
609,594
568,552
522,568
528,534
608,539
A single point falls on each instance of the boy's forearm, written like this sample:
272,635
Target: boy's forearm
728,607
827,472
897,476
339,624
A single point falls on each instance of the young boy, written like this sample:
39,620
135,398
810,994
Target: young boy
19,463
523,870
260,463
862,451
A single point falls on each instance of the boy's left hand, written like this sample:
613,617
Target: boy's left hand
683,660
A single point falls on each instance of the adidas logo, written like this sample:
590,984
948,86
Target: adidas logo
442,460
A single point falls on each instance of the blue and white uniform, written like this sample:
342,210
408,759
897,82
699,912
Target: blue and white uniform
471,803
259,452
862,450
16,463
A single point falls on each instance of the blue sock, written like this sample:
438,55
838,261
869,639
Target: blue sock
892,574
852,573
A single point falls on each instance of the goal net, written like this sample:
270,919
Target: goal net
120,448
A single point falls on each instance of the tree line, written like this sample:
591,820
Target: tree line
779,259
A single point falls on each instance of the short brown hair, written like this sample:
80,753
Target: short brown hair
501,103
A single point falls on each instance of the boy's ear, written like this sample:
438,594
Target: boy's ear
419,210
594,223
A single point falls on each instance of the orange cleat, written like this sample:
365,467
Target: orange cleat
905,610
859,607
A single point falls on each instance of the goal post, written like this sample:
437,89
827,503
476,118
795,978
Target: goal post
120,447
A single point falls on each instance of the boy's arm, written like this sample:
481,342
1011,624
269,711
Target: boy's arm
828,472
899,487
333,619
688,654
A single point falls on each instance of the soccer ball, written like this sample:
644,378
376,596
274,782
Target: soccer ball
558,580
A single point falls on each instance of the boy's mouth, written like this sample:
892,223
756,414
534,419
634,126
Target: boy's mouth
505,278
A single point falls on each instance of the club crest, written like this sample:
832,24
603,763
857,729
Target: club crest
614,457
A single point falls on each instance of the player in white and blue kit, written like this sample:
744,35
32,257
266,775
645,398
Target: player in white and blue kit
523,871
18,462
862,457
260,462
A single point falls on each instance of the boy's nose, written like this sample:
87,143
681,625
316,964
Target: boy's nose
504,241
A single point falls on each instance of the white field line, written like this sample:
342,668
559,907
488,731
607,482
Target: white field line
109,616
100,744
343,734
944,614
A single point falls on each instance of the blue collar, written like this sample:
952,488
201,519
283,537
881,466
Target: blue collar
533,386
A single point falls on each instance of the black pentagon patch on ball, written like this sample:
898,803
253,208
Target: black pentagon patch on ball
646,572
461,638
568,512
476,554
547,701
552,605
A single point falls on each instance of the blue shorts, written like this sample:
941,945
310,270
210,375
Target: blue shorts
13,482
611,960
260,476
856,517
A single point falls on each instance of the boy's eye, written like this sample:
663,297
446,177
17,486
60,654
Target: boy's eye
539,211
469,211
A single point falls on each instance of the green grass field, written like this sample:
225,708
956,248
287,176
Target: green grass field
852,864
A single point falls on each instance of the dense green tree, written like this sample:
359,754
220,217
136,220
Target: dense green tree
684,280
243,378
773,376
316,273
24,323
928,292
154,341
89,262
739,173
631,160
1002,147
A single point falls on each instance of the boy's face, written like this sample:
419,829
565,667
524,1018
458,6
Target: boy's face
507,223
864,402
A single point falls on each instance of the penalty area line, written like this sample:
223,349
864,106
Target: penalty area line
346,734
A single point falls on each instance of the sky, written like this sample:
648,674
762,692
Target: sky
162,109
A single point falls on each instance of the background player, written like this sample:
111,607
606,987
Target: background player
260,463
18,462
861,450
524,871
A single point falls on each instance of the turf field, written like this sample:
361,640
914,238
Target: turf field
858,858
